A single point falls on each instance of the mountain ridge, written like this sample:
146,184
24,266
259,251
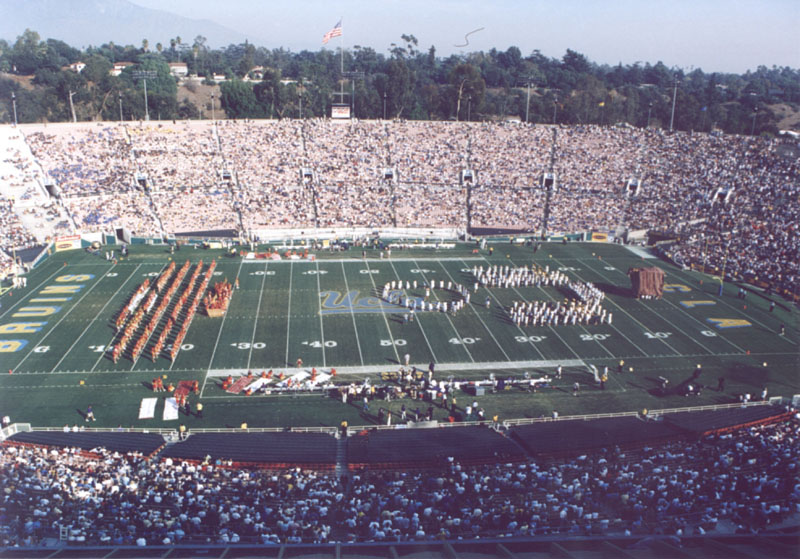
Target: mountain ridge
81,23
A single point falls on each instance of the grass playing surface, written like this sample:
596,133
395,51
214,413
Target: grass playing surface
324,312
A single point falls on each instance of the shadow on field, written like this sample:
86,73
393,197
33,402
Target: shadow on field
609,289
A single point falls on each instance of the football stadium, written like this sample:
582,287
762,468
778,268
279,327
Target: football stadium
388,338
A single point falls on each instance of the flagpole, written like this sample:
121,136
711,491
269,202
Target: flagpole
341,64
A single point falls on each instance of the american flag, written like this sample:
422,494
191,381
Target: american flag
335,32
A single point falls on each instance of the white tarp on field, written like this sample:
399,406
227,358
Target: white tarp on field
147,409
170,409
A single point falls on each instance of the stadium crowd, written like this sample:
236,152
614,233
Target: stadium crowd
247,176
745,481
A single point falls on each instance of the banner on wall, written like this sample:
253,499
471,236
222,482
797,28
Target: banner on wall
67,242
340,111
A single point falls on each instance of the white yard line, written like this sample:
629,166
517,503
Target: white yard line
472,308
447,315
216,344
258,310
418,321
95,318
352,314
289,314
319,304
385,320
105,349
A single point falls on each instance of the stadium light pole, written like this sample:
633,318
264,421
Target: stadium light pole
555,106
753,128
14,105
649,108
72,106
674,96
146,108
549,190
119,93
528,102
299,104
384,105
469,108
213,116
144,75
353,75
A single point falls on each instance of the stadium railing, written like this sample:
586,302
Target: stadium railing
13,429
357,428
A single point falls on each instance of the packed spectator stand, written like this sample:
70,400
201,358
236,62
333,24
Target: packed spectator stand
167,178
683,474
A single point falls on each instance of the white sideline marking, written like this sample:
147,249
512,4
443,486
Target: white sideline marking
639,251
373,260
440,367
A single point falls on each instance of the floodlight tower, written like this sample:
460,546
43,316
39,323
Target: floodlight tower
555,107
72,106
548,183
14,104
528,101
674,97
145,75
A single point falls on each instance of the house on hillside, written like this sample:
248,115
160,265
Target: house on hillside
119,67
179,69
256,74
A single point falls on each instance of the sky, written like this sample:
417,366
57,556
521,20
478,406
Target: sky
715,35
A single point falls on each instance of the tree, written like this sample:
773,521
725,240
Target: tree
161,90
238,100
466,82
247,60
272,95
28,53
97,69
188,110
576,62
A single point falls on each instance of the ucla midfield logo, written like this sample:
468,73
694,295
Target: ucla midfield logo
334,302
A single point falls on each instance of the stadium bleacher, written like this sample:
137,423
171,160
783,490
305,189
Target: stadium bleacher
184,189
144,443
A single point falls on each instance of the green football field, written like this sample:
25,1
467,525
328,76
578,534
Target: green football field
55,335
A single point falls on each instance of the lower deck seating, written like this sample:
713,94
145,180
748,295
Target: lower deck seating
146,443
